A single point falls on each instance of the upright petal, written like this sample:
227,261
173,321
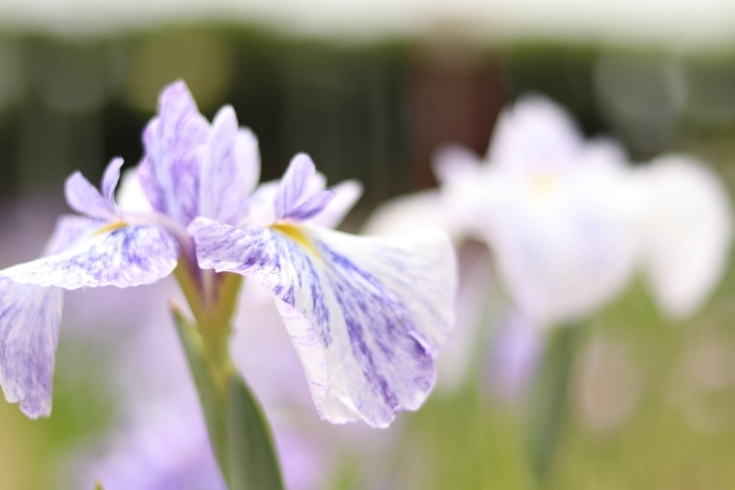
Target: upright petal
29,328
535,133
230,169
83,197
110,180
367,316
686,228
122,257
301,193
171,166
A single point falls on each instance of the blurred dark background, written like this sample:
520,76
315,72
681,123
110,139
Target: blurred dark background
374,111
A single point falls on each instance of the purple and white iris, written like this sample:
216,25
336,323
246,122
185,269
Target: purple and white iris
367,316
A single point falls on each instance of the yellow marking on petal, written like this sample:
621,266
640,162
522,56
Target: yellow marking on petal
111,227
543,184
295,234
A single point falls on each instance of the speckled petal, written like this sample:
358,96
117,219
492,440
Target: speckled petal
230,169
367,316
293,184
122,257
29,326
311,207
301,193
169,171
71,230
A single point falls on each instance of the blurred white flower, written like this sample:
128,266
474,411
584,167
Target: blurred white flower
568,223
685,231
568,220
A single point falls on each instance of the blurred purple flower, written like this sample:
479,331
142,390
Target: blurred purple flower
515,352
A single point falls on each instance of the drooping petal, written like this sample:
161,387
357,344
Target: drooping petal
29,326
170,170
110,180
367,316
71,230
83,197
230,169
535,133
686,229
346,194
122,257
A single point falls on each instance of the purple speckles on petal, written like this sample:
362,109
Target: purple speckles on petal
301,193
127,256
170,169
311,207
367,315
230,169
29,327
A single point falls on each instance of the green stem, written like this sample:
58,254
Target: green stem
238,430
548,402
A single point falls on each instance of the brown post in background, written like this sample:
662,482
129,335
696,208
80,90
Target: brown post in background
456,95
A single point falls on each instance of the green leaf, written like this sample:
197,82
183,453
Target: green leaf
238,429
548,401
253,463
214,403
98,486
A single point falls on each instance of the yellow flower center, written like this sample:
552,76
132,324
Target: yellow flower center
294,233
111,227
543,184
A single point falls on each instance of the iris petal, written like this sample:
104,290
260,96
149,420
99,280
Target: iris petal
686,230
83,197
119,256
346,194
110,180
367,316
29,326
230,169
169,171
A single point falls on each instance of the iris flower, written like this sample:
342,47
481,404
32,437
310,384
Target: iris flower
367,316
569,220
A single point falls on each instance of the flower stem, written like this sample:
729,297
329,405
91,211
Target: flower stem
548,402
